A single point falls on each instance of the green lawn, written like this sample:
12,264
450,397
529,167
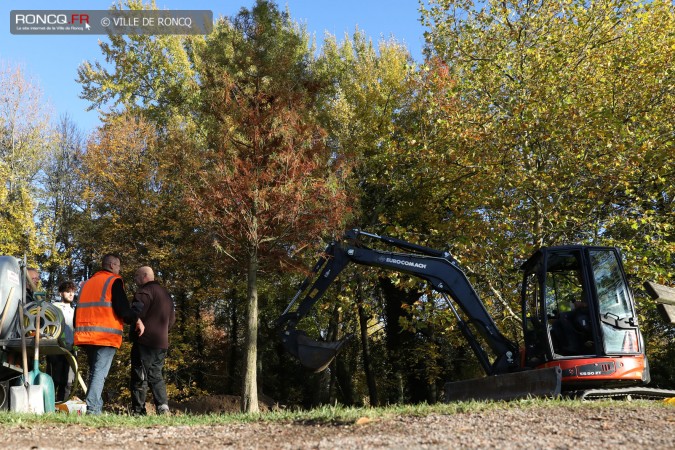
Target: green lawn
325,414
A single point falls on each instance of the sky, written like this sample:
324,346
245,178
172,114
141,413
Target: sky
51,61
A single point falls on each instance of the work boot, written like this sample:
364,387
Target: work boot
163,410
138,412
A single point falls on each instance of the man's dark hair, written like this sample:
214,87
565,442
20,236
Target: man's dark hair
67,286
108,256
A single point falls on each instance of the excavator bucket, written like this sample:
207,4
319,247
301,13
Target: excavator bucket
510,386
314,355
665,299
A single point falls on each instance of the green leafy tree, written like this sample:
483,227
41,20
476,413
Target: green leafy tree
561,129
150,75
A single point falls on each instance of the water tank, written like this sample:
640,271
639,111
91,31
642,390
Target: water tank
10,292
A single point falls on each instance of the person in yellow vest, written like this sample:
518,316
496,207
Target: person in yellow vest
102,311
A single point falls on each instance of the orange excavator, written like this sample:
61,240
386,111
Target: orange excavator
580,328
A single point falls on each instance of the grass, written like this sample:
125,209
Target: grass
320,415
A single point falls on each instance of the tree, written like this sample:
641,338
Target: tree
133,204
153,75
372,88
24,141
268,186
62,192
557,109
385,114
563,129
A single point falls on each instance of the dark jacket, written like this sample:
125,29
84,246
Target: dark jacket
156,310
120,304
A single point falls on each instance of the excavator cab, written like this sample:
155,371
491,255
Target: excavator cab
579,314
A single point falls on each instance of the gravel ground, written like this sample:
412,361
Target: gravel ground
538,427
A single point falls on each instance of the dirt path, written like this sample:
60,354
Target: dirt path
540,427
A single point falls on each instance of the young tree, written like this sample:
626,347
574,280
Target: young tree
268,185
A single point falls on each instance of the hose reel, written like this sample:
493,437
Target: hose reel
51,320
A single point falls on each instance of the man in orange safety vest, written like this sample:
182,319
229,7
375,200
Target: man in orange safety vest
101,312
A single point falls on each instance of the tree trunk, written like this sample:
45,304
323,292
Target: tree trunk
249,394
232,354
332,336
199,337
367,364
401,344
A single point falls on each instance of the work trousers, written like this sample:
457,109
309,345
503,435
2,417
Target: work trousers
146,370
100,359
62,375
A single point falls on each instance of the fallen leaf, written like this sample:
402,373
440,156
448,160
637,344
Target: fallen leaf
363,421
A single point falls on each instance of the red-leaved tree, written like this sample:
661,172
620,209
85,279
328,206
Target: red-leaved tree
266,184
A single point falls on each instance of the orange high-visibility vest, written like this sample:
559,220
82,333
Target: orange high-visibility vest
95,321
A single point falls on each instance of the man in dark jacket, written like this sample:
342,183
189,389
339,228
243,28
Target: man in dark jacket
156,310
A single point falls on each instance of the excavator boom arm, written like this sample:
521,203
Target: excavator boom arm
436,267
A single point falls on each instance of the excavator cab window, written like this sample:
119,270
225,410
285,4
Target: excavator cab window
618,320
536,340
567,306
557,305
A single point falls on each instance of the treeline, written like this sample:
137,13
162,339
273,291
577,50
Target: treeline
226,161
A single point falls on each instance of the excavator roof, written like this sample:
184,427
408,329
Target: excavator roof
539,254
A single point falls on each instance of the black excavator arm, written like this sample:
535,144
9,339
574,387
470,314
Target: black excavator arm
436,267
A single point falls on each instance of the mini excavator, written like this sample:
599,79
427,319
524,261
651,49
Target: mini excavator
580,328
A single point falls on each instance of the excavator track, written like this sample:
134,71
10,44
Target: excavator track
629,393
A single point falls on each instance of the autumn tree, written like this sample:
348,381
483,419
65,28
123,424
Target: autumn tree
269,185
25,134
132,204
388,114
370,115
